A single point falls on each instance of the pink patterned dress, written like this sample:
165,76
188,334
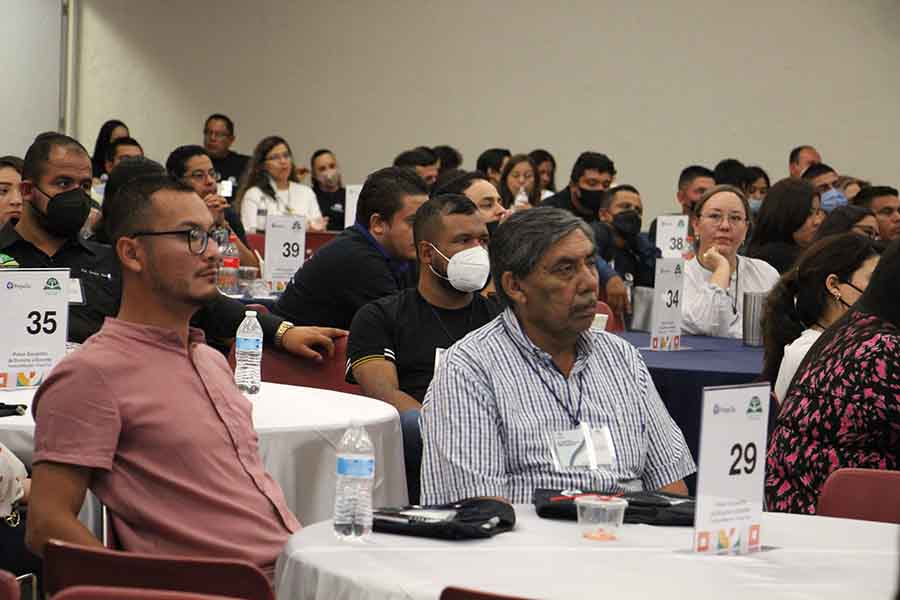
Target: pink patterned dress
841,410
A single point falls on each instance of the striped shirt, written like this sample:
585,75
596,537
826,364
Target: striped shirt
496,399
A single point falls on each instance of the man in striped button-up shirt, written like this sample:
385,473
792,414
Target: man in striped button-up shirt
501,392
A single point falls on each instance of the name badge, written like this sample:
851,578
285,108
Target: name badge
573,449
76,292
438,356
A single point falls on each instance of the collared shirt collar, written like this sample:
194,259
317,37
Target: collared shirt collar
149,333
583,346
397,266
9,236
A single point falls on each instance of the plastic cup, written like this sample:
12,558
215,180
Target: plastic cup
600,517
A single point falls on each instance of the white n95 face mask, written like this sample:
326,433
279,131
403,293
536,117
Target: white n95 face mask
467,271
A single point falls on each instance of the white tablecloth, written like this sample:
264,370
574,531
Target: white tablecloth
810,558
299,429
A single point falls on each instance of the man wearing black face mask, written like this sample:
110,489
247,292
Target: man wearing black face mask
619,240
395,342
592,175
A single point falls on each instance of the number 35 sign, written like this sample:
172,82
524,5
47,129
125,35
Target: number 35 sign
285,249
732,465
33,324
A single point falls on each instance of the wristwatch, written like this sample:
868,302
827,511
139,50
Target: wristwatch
279,333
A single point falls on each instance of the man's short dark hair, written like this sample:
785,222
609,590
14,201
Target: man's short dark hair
132,210
610,194
731,171
592,161
417,157
794,156
229,124
428,217
689,174
522,240
449,156
38,153
11,162
867,195
383,193
816,169
176,164
492,158
122,141
458,182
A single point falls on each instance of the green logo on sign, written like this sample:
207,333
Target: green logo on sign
52,284
755,406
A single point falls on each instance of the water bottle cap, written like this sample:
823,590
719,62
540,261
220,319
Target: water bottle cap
250,313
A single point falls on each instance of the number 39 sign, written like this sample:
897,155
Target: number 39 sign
285,249
33,324
731,469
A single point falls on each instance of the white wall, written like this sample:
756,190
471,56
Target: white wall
657,85
30,33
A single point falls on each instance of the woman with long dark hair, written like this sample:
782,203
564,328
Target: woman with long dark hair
270,186
518,183
109,132
829,277
843,219
545,164
328,185
786,224
842,409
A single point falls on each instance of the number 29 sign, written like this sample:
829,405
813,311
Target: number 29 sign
33,324
285,249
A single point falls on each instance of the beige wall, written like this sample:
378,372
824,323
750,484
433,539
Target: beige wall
657,85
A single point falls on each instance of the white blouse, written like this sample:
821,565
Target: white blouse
710,310
12,479
298,199
794,353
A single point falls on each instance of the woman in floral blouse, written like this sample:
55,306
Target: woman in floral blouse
843,407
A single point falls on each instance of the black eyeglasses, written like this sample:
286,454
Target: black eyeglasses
197,239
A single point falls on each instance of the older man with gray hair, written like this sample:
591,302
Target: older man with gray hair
535,398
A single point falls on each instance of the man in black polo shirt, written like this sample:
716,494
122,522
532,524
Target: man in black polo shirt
395,341
218,136
618,236
370,260
56,177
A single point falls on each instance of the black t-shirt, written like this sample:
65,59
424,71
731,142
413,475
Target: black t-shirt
100,276
405,329
563,200
342,277
231,166
332,205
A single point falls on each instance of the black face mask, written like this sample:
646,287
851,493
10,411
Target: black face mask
627,223
492,227
66,212
591,199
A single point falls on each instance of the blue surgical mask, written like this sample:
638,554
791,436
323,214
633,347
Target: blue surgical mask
832,199
755,205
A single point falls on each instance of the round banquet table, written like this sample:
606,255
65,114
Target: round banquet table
299,429
680,377
805,557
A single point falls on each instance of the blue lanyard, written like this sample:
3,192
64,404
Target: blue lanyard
576,416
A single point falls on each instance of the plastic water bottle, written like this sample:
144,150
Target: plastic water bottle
521,198
353,492
248,354
228,270
261,214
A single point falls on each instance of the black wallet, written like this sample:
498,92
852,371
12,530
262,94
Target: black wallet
466,519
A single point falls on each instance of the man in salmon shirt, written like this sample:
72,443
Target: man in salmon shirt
146,415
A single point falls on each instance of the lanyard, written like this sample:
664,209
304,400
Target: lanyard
576,416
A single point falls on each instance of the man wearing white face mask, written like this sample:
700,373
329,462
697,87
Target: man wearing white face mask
396,342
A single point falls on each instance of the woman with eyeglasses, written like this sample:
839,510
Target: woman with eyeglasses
829,278
786,224
843,219
716,279
271,187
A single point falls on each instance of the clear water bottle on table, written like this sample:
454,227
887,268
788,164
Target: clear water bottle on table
248,354
353,490
228,270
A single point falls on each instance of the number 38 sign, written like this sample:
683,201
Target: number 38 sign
33,324
285,249
731,469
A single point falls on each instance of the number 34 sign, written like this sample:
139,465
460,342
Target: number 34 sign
731,469
33,324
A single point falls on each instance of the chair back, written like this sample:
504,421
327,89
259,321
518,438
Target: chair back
9,587
456,593
613,322
317,239
96,592
864,494
67,565
280,367
257,241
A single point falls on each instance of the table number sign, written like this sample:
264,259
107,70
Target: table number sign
285,249
33,324
351,199
672,236
665,321
732,465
